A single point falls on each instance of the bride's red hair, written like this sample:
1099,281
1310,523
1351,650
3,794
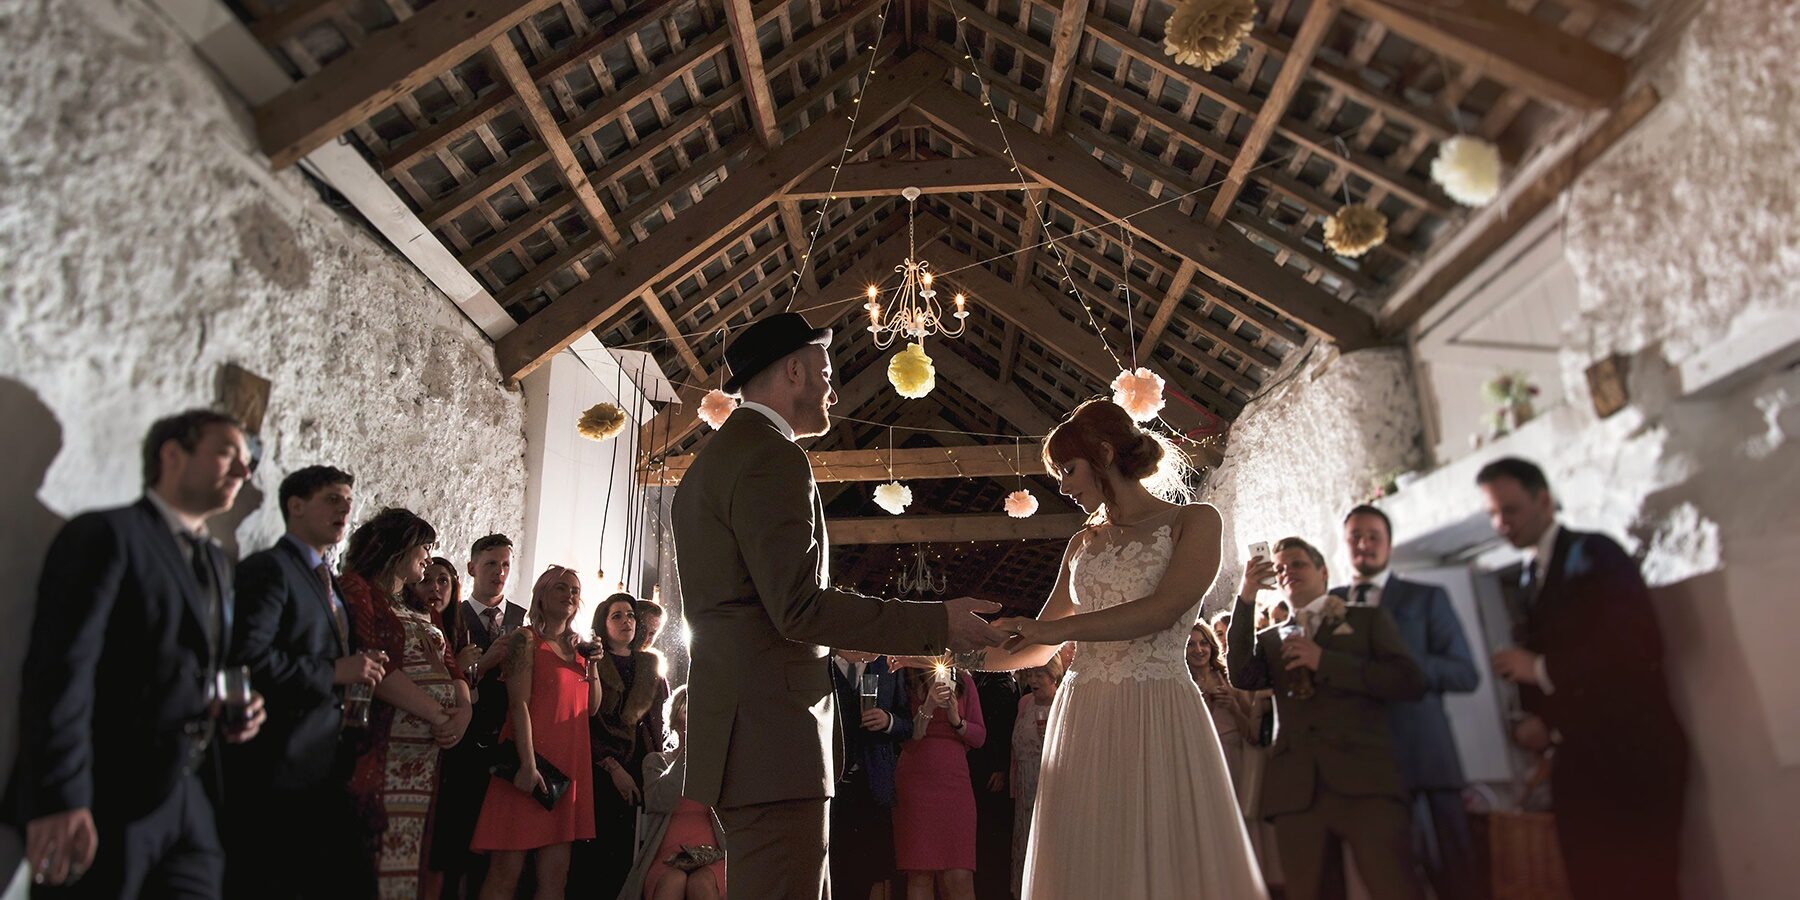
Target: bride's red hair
1136,454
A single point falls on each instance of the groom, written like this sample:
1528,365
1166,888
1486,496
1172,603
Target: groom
765,743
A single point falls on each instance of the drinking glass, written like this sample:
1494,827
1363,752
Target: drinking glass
232,688
871,687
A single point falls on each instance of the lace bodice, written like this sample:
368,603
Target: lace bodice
1110,569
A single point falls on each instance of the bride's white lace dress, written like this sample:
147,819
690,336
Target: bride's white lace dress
1134,798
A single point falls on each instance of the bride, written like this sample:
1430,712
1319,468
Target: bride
1134,798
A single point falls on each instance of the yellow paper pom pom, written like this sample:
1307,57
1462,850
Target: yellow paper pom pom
716,407
1355,229
911,372
1205,33
1021,504
601,421
1468,169
893,497
1140,393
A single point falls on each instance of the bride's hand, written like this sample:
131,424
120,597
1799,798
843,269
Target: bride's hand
1025,632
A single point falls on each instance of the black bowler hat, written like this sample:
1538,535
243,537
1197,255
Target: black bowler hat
765,341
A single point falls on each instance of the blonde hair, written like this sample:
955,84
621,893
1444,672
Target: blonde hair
540,590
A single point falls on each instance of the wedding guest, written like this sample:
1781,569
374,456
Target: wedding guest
875,724
1221,626
1029,728
1332,776
439,596
649,624
628,728
486,617
117,724
676,828
552,692
1429,764
422,706
293,632
1589,666
990,767
1229,707
934,816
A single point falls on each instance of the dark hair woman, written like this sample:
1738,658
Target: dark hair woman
629,727
423,704
551,694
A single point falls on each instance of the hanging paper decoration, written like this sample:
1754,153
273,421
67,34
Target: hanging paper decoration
1021,504
1140,393
1355,229
911,372
716,407
1205,33
601,421
1468,169
893,497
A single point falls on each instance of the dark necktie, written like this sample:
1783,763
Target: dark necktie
337,607
200,559
492,614
1362,594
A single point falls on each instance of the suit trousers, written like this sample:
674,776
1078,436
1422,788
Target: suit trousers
1445,846
1378,831
862,839
171,851
777,851
264,828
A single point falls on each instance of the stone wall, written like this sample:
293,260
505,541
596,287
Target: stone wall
1310,449
145,243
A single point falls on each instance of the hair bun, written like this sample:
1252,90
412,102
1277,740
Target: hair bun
1143,457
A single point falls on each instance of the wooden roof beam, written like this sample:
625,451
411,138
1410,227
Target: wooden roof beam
1512,47
512,70
842,466
950,528
1065,41
393,63
886,177
1222,253
728,207
1287,83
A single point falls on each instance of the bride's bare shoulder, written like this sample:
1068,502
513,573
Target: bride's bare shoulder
1202,516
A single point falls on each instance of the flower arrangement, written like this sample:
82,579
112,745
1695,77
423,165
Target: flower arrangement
893,497
911,372
1139,392
1021,504
1510,393
1205,33
601,421
716,407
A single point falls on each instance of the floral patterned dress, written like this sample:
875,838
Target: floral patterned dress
397,775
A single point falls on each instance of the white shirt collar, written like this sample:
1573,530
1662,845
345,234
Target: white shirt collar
781,424
174,521
1316,606
1379,579
1545,549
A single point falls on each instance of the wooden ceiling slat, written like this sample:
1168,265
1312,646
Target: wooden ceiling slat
512,69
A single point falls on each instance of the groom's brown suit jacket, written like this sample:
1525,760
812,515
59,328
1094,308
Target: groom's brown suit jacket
753,558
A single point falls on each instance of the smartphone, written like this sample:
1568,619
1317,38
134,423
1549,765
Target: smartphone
1260,548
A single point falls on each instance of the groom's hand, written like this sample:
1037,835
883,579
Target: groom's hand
967,630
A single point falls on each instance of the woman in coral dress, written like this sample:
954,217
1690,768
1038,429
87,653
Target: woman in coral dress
934,809
551,690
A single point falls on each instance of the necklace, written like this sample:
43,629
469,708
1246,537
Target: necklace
1149,518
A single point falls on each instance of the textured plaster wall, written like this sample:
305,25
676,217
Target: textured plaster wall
143,243
1687,230
1309,450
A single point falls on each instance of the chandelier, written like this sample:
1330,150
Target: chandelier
915,311
920,577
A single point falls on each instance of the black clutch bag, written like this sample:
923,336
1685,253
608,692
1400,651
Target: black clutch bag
506,766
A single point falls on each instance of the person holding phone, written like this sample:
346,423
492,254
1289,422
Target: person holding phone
552,691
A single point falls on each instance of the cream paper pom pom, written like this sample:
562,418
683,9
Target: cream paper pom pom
1355,229
1468,169
1021,504
601,421
893,497
911,372
716,407
1205,33
1140,393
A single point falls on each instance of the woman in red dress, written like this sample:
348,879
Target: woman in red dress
934,812
551,691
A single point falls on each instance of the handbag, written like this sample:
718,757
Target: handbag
556,784
695,858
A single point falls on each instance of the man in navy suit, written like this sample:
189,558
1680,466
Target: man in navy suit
862,811
293,633
116,770
1423,742
1589,666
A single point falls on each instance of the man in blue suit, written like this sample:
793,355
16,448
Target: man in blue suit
118,769
862,812
1423,742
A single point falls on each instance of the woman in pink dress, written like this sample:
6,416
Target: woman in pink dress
673,824
551,691
934,812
